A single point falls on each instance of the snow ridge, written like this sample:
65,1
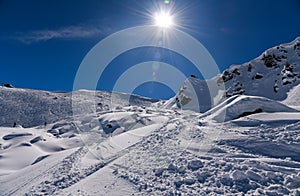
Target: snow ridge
272,75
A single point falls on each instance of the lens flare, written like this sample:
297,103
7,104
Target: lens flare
163,19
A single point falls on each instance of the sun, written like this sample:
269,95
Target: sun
163,19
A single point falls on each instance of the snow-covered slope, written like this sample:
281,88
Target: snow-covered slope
240,106
172,154
146,149
30,108
272,75
293,96
238,145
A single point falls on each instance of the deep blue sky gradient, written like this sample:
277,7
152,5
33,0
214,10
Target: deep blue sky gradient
233,31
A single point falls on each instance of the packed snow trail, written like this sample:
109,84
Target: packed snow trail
232,164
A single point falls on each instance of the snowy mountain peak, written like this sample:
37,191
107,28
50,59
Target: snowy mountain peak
272,75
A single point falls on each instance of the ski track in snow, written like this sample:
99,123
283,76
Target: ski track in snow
229,167
62,175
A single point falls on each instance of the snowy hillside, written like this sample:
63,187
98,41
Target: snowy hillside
146,150
30,108
271,75
293,96
208,140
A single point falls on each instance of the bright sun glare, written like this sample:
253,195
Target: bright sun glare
163,19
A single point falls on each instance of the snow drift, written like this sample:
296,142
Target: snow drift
240,106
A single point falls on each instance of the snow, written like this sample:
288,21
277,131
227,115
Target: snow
293,97
19,105
155,158
245,144
117,143
245,105
171,152
189,96
271,75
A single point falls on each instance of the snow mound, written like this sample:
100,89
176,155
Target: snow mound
240,106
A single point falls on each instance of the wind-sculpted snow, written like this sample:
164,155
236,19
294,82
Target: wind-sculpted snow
243,105
157,151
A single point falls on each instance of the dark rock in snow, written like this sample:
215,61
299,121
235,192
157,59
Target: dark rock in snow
259,76
7,85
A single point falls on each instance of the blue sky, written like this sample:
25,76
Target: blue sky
42,42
